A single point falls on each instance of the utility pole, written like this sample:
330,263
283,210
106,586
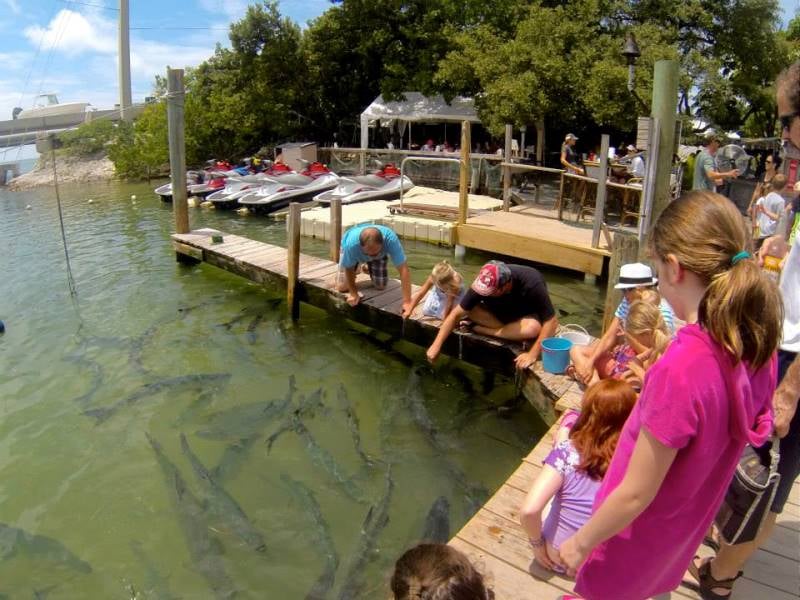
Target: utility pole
664,108
124,47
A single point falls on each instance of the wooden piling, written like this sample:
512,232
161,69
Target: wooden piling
293,259
625,249
464,174
600,198
507,169
336,229
177,150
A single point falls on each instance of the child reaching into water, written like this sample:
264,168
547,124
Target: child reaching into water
573,470
437,572
446,287
644,338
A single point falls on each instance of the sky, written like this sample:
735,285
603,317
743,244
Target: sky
70,46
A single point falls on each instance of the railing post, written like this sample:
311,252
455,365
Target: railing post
463,184
362,162
293,259
177,151
336,228
624,249
600,198
507,169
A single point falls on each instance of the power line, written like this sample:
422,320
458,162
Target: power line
89,4
179,28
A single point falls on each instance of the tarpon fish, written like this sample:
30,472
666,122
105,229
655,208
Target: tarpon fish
252,336
377,518
353,424
205,550
222,505
322,537
245,420
323,459
15,541
437,522
204,398
106,412
156,584
232,458
304,408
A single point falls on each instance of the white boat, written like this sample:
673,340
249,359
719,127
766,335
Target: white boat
301,187
381,185
47,105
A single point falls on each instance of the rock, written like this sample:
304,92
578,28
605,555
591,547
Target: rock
70,170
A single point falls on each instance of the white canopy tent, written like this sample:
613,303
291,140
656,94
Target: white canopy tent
416,108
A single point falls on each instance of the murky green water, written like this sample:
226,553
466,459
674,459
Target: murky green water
99,496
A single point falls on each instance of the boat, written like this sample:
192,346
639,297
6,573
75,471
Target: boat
381,185
301,187
47,105
235,185
198,183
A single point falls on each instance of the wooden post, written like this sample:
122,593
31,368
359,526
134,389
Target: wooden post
540,143
463,184
600,198
507,170
625,249
362,162
664,107
177,150
293,259
336,228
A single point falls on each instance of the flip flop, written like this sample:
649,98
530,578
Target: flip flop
711,543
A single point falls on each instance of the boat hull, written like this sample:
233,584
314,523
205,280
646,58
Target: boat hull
353,190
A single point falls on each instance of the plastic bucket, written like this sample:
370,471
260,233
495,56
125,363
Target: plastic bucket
575,334
555,354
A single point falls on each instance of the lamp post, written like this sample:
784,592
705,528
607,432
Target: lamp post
631,52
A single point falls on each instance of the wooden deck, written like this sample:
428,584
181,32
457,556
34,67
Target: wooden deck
495,540
536,238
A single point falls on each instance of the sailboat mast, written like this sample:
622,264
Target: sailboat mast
124,61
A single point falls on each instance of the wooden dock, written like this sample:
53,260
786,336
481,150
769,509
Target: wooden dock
536,238
496,542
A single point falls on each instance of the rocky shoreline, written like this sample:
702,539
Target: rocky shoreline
70,170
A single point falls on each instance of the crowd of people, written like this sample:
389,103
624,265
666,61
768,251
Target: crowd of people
699,363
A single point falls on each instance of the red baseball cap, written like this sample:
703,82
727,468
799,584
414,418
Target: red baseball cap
492,276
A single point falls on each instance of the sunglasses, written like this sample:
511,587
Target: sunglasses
786,120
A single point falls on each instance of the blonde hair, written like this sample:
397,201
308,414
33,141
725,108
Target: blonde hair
649,295
644,318
742,308
445,277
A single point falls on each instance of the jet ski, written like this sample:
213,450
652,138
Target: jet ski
236,186
380,185
301,187
198,183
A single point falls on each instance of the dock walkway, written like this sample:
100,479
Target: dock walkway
495,540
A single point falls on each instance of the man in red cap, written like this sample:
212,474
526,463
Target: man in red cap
505,301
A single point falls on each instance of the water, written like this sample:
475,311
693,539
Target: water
90,508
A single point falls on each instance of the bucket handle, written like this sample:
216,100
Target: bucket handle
572,327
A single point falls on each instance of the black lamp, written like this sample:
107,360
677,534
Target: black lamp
631,53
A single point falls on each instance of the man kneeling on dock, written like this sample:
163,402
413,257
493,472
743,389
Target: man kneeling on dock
505,301
371,245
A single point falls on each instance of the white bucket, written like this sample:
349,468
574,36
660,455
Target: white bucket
575,334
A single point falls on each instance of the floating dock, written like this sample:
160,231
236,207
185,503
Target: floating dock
419,225
495,540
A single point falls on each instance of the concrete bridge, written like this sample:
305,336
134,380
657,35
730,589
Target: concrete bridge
18,132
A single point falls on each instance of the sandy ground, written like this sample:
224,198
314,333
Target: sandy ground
70,170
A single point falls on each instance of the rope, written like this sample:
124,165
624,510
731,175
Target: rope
73,292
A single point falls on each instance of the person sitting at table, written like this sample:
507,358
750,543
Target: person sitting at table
505,301
636,164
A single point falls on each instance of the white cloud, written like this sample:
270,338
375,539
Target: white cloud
13,6
73,33
232,10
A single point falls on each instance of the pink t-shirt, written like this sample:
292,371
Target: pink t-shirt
685,404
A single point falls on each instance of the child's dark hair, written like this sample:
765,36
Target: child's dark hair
604,410
437,572
742,308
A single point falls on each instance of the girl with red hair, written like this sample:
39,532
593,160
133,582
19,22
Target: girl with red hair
573,470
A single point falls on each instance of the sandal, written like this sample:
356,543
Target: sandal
711,543
706,582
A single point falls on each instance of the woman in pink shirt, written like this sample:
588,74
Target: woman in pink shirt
706,398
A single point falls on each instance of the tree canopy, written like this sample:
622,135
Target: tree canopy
524,61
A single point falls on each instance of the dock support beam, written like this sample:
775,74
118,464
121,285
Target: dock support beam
464,173
293,258
124,53
600,198
506,169
336,228
664,107
625,249
177,150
